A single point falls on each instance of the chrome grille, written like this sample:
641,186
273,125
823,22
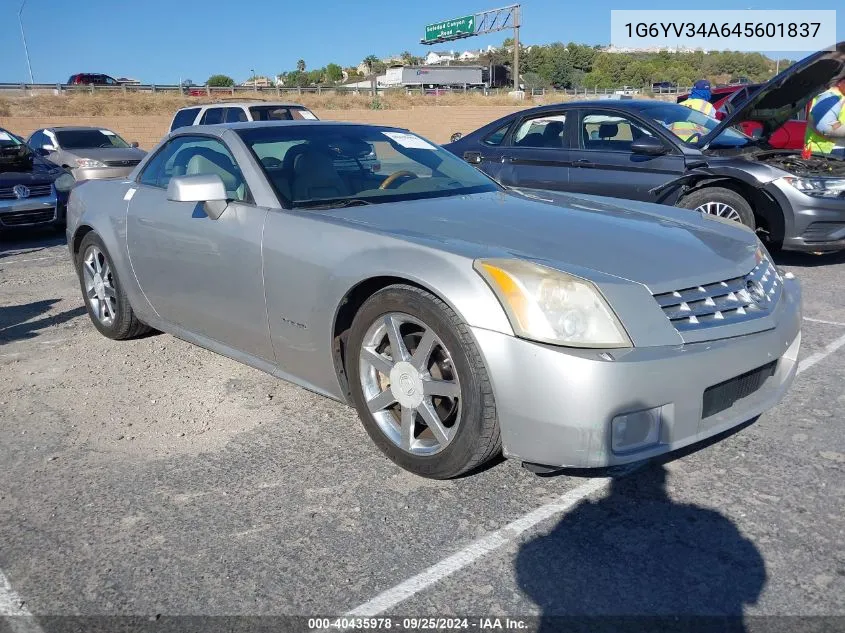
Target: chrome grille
724,302
122,163
35,191
27,218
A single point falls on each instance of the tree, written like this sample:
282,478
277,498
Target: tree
300,65
372,63
333,73
533,81
220,81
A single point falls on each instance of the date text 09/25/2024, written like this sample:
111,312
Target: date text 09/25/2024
417,624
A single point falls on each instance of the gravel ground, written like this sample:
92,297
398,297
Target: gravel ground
153,477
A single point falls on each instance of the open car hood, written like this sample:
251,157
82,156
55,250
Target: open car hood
787,93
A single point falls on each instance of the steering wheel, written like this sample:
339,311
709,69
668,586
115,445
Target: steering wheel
271,162
396,176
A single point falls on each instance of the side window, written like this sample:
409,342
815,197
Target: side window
184,118
545,130
609,132
37,140
233,115
193,156
212,116
498,136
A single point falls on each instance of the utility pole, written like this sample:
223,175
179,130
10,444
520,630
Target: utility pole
254,80
23,37
516,47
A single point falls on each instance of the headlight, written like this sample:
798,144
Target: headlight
819,187
551,306
64,182
89,162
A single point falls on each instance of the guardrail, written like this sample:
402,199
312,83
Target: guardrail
278,91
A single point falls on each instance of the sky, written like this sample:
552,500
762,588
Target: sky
163,41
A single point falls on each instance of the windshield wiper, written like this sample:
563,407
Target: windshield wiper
332,204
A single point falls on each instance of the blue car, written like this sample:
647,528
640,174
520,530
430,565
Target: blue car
33,191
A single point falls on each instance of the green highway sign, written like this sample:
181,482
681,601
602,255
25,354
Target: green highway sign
450,28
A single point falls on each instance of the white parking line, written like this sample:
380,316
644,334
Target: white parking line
823,321
14,611
493,541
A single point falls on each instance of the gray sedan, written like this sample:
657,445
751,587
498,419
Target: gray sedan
89,152
459,318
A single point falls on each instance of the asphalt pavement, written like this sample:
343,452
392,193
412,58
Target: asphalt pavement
154,478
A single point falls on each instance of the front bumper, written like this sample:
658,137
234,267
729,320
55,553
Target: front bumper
98,173
815,224
31,212
555,405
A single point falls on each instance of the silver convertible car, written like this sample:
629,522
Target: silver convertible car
459,318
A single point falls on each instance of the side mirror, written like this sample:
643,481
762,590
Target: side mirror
134,143
43,151
455,137
649,146
206,188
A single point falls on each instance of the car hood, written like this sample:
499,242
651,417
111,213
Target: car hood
108,153
787,93
662,247
42,171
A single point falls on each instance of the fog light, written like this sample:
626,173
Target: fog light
636,430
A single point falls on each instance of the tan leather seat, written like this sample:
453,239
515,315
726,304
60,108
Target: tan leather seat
207,161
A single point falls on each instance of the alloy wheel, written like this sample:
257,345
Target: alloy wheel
99,285
410,384
721,210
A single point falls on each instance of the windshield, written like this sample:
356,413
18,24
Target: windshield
86,139
691,125
7,139
337,165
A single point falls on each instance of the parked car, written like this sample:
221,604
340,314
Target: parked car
458,317
663,86
663,152
88,152
92,79
235,112
33,191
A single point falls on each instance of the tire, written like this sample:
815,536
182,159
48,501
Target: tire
721,201
107,304
468,433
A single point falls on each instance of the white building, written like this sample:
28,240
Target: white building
435,58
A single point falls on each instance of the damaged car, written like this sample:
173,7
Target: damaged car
666,153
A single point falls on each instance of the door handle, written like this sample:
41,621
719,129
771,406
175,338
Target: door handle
507,159
473,158
583,162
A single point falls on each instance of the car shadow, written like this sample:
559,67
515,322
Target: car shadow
637,560
19,243
808,260
16,322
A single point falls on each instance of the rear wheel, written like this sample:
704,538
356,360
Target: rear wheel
419,384
721,202
107,303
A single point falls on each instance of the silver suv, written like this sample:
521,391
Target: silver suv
233,112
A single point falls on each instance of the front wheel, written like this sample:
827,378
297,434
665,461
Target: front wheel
106,302
721,202
419,384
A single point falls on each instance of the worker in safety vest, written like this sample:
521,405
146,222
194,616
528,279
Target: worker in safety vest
699,99
826,122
